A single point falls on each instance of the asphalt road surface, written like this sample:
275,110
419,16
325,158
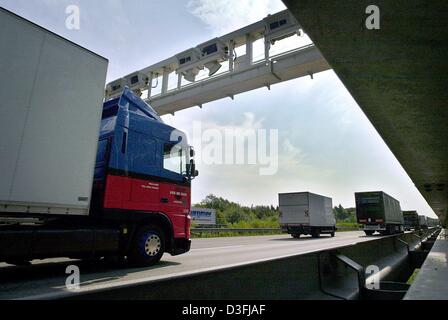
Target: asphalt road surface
46,279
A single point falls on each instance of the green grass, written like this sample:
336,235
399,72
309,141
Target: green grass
231,234
258,223
413,276
348,226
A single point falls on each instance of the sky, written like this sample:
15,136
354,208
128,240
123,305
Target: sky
326,145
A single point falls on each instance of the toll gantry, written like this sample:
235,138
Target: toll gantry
214,69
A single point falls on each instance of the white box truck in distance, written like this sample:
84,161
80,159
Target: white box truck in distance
423,222
306,213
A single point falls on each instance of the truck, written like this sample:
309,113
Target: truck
411,220
83,178
433,223
423,222
304,213
379,212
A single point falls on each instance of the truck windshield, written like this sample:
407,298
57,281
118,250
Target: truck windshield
175,158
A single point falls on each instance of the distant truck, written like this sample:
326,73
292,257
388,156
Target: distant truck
423,222
411,220
432,223
379,212
83,178
303,213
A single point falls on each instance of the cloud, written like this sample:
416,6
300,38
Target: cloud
223,16
292,154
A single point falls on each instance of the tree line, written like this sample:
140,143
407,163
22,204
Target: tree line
235,215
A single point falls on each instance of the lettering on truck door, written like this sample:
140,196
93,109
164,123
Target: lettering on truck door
175,193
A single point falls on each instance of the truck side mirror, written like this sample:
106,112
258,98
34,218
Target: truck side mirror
192,168
193,172
192,153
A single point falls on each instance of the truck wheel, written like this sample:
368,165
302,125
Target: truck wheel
369,232
332,234
147,247
296,236
392,230
315,234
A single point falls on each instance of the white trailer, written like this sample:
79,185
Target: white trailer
423,222
306,213
49,127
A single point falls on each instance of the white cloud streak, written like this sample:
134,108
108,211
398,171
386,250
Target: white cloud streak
223,16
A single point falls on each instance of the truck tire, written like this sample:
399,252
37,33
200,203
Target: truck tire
369,232
315,233
392,229
332,234
148,246
296,235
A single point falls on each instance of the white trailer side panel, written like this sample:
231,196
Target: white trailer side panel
392,210
306,208
294,208
321,211
51,100
422,220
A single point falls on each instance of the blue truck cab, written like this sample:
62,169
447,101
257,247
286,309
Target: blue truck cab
143,170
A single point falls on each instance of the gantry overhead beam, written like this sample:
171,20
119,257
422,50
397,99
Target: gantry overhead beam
242,72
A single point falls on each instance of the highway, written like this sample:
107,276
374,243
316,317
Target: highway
46,279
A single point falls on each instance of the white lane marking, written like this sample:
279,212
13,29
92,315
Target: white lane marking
214,248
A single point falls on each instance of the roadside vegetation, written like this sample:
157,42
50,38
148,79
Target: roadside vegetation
413,276
346,217
233,215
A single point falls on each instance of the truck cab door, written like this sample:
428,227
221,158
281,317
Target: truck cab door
175,193
141,161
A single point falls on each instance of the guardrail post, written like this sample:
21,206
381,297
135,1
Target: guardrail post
330,267
405,243
356,267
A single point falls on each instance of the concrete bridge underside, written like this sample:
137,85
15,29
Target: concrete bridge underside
398,75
